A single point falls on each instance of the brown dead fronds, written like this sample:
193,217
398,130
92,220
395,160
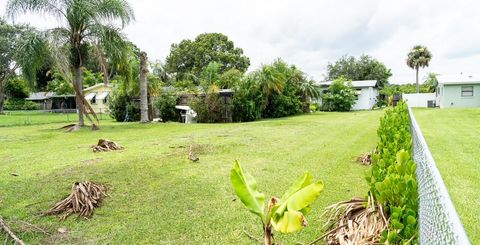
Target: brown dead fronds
357,221
365,159
106,145
83,200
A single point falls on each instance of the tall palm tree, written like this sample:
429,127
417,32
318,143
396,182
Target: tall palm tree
309,91
419,56
85,22
270,80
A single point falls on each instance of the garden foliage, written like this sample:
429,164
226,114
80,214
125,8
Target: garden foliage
340,96
15,104
122,108
392,177
286,214
165,104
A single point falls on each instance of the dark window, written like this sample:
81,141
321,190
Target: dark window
467,91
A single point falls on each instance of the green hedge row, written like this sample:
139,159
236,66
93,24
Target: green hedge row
392,177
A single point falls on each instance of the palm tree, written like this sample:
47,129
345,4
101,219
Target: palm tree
86,23
419,56
309,91
270,80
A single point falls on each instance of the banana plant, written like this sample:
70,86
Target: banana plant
286,214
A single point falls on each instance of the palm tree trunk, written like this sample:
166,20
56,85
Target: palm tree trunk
143,88
2,94
78,80
418,85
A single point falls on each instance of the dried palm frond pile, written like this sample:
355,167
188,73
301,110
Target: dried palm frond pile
357,221
106,145
192,154
365,159
83,200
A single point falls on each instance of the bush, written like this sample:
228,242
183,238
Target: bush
120,104
392,177
209,108
248,103
284,104
166,103
339,97
13,104
17,88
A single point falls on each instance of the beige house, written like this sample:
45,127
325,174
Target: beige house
98,96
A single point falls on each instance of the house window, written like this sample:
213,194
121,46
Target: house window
105,100
93,100
467,91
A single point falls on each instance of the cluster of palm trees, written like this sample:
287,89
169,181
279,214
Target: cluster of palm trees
86,23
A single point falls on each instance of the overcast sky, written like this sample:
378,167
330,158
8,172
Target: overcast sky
312,33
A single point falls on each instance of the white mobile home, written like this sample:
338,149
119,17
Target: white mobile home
366,91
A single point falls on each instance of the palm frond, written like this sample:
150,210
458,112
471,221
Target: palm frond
53,7
111,10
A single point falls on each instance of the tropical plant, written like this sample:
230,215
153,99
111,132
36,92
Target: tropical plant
286,214
309,90
190,57
419,56
86,22
14,41
363,68
17,87
431,82
165,104
340,96
248,101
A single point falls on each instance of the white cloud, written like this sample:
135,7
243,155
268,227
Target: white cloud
312,33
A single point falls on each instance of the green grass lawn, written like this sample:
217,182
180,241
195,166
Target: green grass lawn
453,136
22,118
159,196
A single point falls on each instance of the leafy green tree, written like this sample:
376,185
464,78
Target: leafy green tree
13,42
340,96
363,68
230,79
17,87
431,82
191,57
85,22
210,75
418,57
309,91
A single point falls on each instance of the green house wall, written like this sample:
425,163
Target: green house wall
450,96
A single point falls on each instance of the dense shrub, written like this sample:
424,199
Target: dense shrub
120,104
248,103
209,108
17,88
165,104
14,104
284,104
340,96
392,177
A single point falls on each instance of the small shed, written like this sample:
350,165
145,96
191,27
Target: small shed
44,99
366,93
457,91
98,96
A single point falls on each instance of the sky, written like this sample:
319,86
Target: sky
312,33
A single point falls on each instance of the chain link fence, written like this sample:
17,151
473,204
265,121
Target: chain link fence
438,220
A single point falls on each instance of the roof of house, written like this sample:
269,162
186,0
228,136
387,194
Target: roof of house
355,84
40,95
457,79
97,86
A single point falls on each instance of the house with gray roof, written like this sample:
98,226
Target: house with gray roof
457,91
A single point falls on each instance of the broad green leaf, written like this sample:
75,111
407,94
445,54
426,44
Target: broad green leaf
305,196
305,180
291,221
245,187
300,199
